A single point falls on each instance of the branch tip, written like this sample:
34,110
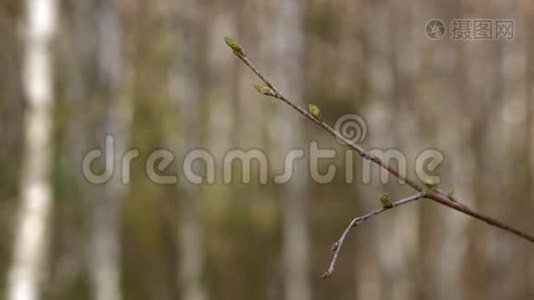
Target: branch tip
234,45
325,275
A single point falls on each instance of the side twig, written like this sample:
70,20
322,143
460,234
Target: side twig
336,247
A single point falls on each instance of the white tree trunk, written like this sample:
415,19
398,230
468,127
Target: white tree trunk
288,40
105,247
187,82
30,243
530,132
374,267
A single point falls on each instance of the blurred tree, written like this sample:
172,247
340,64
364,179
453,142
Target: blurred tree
188,77
31,233
288,55
472,100
115,120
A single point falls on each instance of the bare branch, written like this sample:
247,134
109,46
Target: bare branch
432,193
336,247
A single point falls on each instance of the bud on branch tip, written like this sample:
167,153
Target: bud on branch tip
234,45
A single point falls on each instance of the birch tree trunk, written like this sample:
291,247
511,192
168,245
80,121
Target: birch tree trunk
288,39
188,102
529,15
507,69
105,255
31,234
399,242
373,270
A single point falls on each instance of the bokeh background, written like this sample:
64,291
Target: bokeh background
156,74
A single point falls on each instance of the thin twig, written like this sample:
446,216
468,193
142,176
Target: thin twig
431,194
278,95
336,247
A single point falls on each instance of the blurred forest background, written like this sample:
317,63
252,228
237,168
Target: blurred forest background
156,74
